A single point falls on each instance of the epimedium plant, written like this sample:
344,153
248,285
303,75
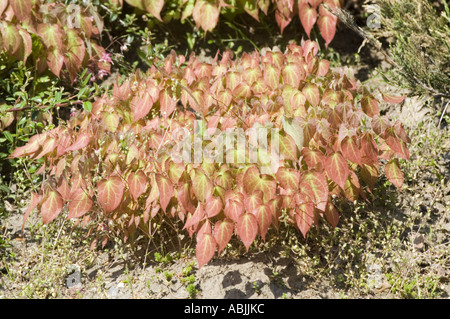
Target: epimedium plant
117,167
206,13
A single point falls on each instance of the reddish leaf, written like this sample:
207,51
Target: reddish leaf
154,7
369,153
81,142
232,80
183,195
263,214
52,205
223,231
315,186
55,61
75,52
111,121
370,106
3,5
331,214
166,190
201,185
327,25
352,187
242,91
35,200
297,104
213,206
324,67
167,102
47,147
194,219
283,18
110,193
271,76
393,173
401,133
254,182
63,188
288,178
252,201
205,249
304,216
234,209
330,97
27,45
141,104
137,183
380,124
247,229
252,9
287,147
312,94
350,149
396,144
205,15
313,158
80,203
393,99
32,146
205,228
337,168
51,35
12,40
308,17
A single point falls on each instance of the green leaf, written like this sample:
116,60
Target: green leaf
8,136
87,106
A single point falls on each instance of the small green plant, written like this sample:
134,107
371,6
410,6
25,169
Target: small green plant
192,290
257,286
168,275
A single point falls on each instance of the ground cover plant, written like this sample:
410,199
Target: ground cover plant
270,172
115,164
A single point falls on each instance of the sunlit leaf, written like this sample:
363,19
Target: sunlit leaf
137,183
80,203
308,17
247,229
205,249
51,207
154,7
223,231
110,193
166,190
394,173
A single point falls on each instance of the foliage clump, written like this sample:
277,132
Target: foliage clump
53,36
121,164
206,14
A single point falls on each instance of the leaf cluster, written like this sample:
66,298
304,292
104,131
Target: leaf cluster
205,14
62,38
118,164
